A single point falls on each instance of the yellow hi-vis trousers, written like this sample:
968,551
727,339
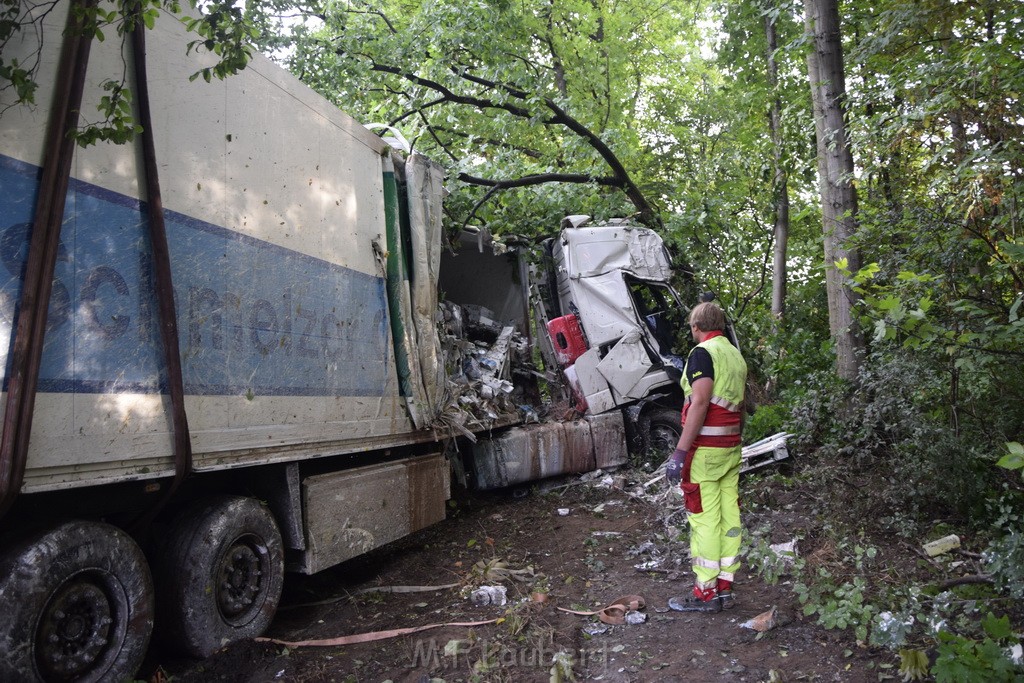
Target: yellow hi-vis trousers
711,494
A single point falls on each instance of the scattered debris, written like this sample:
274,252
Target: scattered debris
596,629
614,613
647,547
608,503
484,354
563,512
404,589
892,627
768,450
489,595
942,545
647,566
786,551
495,570
633,618
762,622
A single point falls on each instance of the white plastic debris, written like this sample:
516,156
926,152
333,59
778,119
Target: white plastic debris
893,628
645,547
563,512
942,545
596,629
633,617
1017,654
650,564
787,550
489,595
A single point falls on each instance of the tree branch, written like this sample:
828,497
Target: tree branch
973,578
540,179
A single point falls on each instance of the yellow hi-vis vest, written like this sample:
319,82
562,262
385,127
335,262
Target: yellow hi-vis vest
728,388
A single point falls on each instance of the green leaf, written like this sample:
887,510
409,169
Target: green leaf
996,628
880,330
1014,460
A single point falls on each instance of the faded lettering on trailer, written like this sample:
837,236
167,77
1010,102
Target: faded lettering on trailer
253,316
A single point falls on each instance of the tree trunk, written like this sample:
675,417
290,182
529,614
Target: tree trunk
780,182
835,176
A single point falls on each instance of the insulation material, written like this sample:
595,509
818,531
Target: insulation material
425,183
479,354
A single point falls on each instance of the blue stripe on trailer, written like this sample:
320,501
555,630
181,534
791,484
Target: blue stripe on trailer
254,318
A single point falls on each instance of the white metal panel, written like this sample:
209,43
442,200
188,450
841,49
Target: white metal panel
625,363
605,307
596,250
600,401
590,380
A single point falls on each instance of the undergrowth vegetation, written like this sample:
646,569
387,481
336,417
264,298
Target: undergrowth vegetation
884,469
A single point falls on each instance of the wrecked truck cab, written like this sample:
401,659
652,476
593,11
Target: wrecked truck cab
613,279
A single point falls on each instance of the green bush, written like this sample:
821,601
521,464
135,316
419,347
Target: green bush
964,659
894,442
768,419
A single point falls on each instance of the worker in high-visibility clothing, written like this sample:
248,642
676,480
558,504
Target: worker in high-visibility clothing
707,460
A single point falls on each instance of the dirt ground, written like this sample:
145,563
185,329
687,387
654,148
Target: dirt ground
583,561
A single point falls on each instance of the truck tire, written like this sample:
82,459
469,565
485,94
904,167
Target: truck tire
660,430
76,603
220,575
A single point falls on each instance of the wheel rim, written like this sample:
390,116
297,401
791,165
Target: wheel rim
75,629
241,584
664,438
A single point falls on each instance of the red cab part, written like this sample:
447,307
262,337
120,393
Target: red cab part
567,337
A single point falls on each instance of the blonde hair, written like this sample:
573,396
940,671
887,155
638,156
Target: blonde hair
708,317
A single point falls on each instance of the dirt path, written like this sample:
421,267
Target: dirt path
584,560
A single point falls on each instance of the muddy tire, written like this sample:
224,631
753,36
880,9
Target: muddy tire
76,603
220,575
660,430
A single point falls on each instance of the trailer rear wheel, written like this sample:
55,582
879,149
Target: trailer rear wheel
76,604
220,575
660,430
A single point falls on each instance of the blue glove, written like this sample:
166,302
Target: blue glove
674,467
